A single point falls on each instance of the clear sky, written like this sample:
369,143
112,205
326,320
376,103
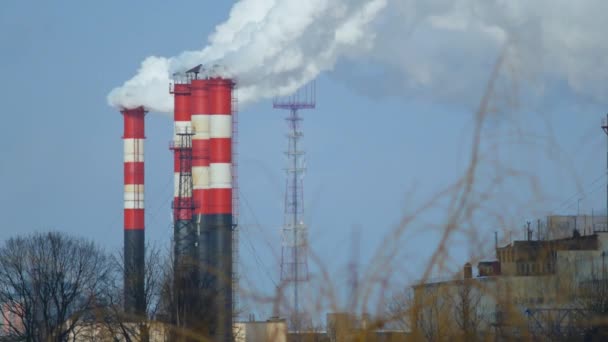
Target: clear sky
375,151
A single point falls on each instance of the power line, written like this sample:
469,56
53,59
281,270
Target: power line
260,265
153,214
259,262
569,202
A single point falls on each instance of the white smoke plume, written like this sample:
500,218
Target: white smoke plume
272,47
440,48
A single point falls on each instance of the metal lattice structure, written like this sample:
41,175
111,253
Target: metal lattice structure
294,234
182,204
185,257
556,323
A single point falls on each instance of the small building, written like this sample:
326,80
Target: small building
272,330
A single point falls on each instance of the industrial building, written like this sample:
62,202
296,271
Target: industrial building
272,330
535,287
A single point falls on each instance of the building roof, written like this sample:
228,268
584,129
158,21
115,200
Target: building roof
581,242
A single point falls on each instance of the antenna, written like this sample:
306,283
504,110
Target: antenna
196,70
294,256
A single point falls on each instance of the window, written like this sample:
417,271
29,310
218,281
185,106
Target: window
520,269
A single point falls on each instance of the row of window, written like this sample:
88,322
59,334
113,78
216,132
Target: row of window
507,255
529,268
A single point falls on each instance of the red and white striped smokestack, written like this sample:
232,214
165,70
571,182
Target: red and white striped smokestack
220,204
200,178
220,146
134,224
186,284
200,147
182,193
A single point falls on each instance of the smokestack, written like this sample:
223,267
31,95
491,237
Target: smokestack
220,210
134,234
199,107
200,162
182,168
184,234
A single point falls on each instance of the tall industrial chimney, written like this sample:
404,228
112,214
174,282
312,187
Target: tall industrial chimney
200,162
134,234
186,282
220,209
182,168
199,106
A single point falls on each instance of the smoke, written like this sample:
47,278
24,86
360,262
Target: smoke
444,50
271,47
438,48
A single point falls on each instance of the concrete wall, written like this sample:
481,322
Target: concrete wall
270,331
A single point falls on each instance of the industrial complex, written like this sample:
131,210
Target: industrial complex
203,205
205,215
530,288
442,146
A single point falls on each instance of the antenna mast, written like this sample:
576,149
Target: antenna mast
294,256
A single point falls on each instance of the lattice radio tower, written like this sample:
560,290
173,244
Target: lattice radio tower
294,234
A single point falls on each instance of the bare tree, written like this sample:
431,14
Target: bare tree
115,321
186,303
467,309
592,305
431,314
341,327
399,309
593,295
442,311
189,315
50,283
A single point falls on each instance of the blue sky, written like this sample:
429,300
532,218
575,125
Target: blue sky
371,157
